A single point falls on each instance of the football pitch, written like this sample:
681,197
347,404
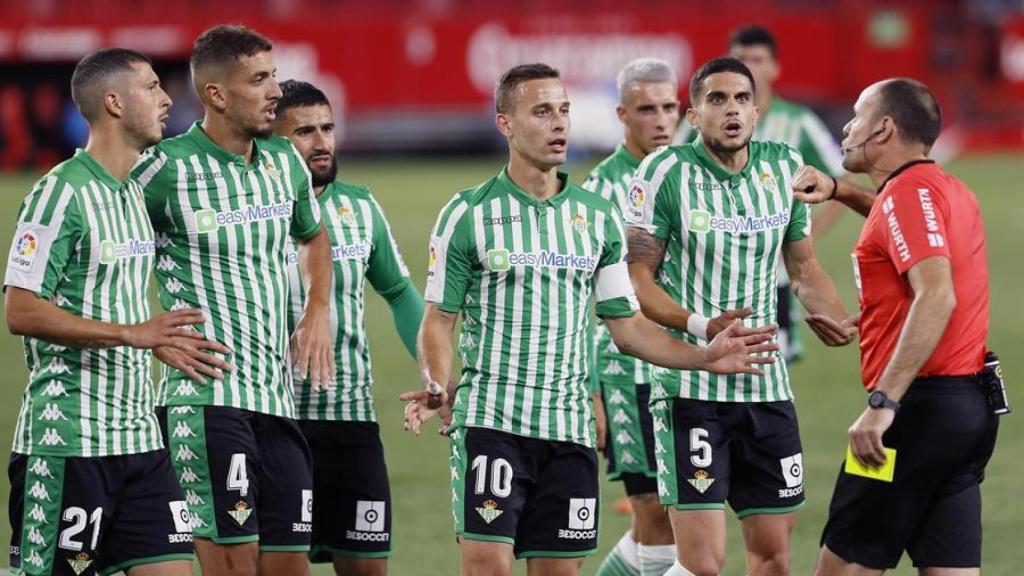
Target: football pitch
826,382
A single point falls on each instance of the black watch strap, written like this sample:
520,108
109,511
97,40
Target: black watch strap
878,400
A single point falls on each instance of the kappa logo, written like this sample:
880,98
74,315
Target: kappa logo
52,438
56,348
662,488
41,468
173,286
659,448
617,397
581,513
192,498
35,559
52,412
166,264
58,366
37,514
182,410
178,305
185,454
163,240
370,515
664,279
468,340
614,368
182,430
627,458
188,475
621,417
55,388
36,537
61,300
185,388
39,492
624,438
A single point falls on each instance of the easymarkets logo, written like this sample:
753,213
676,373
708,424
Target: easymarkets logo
111,251
501,260
702,222
209,220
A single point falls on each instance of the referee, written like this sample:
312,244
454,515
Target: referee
922,275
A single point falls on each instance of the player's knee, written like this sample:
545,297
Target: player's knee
709,565
771,563
652,523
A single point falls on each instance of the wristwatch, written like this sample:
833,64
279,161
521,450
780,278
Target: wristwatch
878,399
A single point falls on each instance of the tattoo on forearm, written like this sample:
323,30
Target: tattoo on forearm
643,247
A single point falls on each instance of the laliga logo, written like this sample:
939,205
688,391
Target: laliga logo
636,195
27,244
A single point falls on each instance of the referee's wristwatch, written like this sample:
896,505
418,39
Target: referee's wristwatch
878,400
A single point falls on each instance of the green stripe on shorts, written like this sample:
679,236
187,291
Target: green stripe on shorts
458,465
625,433
43,494
665,452
186,431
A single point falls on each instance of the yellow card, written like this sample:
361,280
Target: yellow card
884,473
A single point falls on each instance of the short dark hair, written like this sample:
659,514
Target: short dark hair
224,45
754,36
92,73
913,108
299,94
717,66
515,76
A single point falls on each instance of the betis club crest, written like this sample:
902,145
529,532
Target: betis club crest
489,512
700,481
80,562
241,512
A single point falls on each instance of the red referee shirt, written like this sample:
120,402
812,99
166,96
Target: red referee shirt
921,212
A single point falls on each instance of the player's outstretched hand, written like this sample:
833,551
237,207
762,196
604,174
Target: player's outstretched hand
729,353
194,355
812,186
313,349
719,323
832,332
162,329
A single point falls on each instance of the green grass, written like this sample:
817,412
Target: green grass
829,395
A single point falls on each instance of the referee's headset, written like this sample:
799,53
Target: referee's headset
864,141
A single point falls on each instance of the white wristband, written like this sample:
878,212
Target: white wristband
697,325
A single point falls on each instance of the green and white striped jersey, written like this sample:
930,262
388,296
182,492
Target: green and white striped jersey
522,272
84,242
222,229
362,248
611,180
793,124
724,234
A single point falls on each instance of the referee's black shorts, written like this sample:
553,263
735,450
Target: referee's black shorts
943,435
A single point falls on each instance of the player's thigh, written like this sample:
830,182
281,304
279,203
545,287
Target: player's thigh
273,563
215,455
285,482
490,484
554,566
651,520
767,536
692,446
483,558
352,503
348,566
165,568
700,538
561,513
227,559
768,475
151,525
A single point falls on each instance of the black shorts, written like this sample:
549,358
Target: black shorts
247,476
82,516
352,509
944,436
745,453
629,446
541,496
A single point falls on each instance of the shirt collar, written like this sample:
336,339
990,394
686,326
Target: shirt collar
97,169
525,197
199,136
622,152
716,169
903,169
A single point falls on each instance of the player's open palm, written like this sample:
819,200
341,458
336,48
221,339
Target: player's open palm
832,332
417,409
730,353
313,350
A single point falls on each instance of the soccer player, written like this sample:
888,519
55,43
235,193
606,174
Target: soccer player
923,284
520,257
92,488
352,509
781,120
717,214
224,198
649,112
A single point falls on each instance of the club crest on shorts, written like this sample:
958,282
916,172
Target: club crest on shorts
241,512
489,511
700,481
80,562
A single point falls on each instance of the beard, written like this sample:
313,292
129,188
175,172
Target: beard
325,177
721,148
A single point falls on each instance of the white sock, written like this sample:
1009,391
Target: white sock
655,560
678,570
628,550
622,560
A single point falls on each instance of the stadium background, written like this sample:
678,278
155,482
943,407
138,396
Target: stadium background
411,84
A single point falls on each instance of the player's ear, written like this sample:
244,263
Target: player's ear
621,111
691,117
214,94
113,104
503,125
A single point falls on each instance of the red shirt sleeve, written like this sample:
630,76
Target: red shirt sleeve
915,224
